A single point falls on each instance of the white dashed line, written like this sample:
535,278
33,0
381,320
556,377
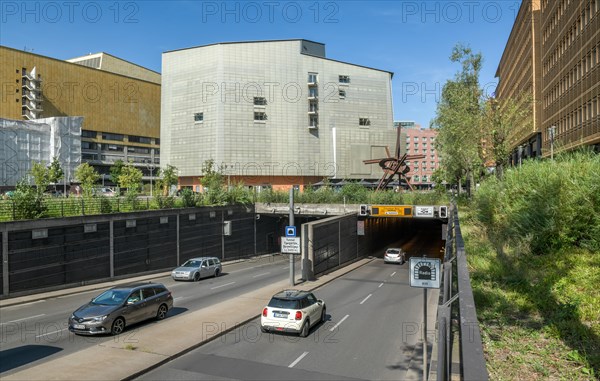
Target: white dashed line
51,333
256,276
380,285
394,273
297,360
27,318
179,298
223,285
365,299
339,322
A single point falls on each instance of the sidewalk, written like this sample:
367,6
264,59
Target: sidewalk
128,356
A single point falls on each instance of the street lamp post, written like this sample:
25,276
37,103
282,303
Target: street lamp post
551,132
150,166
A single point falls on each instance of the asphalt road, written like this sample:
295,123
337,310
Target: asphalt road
373,332
35,332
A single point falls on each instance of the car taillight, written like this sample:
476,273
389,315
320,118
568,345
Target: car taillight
298,315
265,311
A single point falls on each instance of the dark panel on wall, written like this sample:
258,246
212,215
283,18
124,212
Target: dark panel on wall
65,255
240,244
200,237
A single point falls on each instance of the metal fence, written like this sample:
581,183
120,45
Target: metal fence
77,206
457,317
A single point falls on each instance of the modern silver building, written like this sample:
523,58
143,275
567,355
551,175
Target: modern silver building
273,113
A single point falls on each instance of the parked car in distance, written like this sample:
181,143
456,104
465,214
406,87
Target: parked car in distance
292,311
394,255
198,268
121,306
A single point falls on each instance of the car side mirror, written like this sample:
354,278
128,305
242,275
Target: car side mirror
319,301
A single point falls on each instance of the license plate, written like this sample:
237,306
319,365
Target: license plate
275,314
78,326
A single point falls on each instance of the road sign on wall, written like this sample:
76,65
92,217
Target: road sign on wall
423,211
425,272
290,245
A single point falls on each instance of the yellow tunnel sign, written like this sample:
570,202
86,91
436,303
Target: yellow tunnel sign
391,210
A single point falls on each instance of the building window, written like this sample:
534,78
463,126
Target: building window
364,122
111,147
117,137
139,139
260,101
313,92
88,134
342,94
313,121
312,77
344,79
260,116
199,117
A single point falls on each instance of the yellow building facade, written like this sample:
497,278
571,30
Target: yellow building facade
121,112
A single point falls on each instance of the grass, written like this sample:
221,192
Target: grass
539,314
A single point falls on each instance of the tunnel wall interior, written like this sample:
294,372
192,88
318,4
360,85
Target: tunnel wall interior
69,252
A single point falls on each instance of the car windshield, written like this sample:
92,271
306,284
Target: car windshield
111,297
192,263
284,303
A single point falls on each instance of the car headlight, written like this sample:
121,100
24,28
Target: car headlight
99,319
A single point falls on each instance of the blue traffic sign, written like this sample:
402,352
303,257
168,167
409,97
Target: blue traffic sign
290,231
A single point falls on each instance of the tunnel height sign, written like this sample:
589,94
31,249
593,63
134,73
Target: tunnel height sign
425,272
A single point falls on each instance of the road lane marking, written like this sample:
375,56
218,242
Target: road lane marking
298,360
380,285
365,299
339,322
394,273
179,298
223,285
27,318
51,333
256,276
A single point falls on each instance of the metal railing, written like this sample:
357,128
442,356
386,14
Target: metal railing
457,314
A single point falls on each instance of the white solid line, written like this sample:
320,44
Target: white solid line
380,285
223,285
365,299
297,360
179,298
394,273
51,333
31,317
256,276
339,322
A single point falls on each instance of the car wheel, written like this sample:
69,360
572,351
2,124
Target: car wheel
305,328
217,273
162,312
196,277
323,314
117,326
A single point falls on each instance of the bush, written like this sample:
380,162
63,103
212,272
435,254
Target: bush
544,205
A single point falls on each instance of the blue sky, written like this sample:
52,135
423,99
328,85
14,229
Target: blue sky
413,39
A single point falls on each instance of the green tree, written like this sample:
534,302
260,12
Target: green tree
28,202
500,118
55,172
131,178
168,177
115,171
87,176
213,182
458,118
41,177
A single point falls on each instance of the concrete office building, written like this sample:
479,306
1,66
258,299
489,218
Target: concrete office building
119,102
553,54
273,114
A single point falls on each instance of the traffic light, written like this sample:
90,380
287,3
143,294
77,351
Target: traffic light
443,212
364,210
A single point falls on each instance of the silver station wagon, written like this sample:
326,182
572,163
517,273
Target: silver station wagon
198,268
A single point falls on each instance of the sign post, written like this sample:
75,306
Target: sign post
425,273
291,222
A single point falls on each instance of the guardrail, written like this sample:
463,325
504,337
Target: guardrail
457,317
